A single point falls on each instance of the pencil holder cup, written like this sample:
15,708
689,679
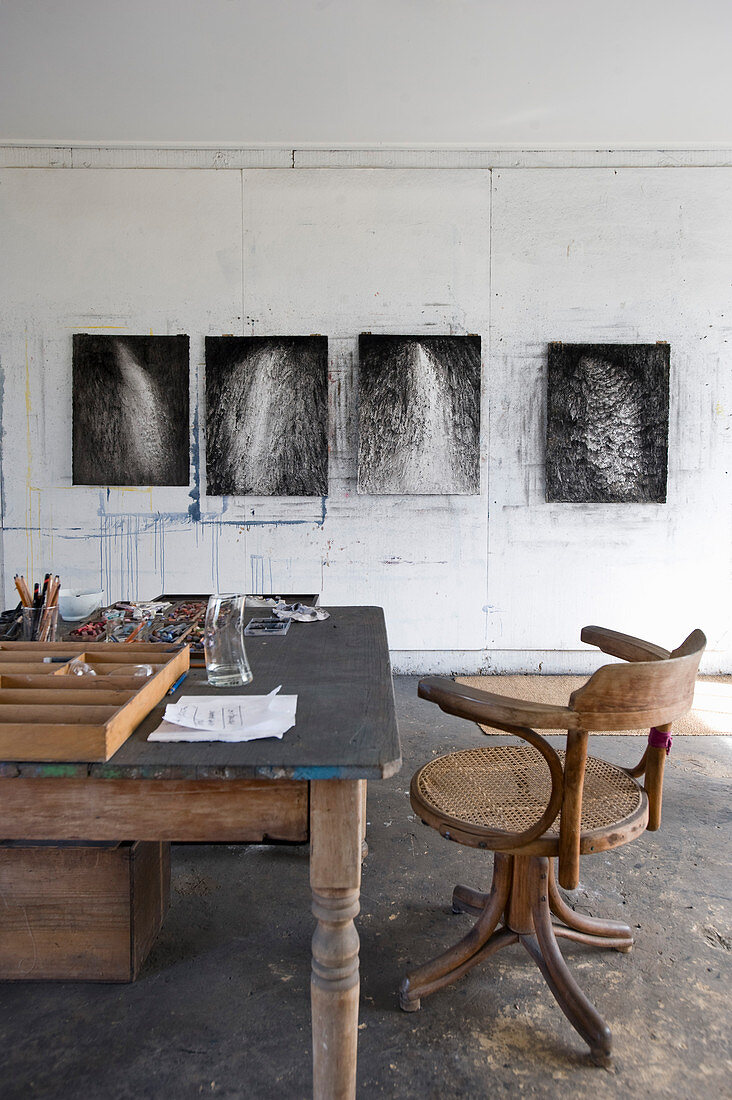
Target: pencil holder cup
223,641
40,624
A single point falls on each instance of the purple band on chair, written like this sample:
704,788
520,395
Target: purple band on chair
659,739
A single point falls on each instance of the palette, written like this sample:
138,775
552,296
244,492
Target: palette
191,608
180,623
48,713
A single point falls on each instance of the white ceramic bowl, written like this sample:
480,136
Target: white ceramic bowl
75,604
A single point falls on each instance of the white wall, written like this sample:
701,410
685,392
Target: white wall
520,72
611,256
521,257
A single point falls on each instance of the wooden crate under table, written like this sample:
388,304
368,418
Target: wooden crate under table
80,912
49,714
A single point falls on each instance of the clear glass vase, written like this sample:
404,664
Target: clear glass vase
223,641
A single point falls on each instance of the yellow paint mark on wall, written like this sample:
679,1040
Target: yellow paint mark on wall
97,328
49,528
146,490
29,561
35,505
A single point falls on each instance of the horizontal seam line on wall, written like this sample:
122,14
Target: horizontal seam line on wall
77,155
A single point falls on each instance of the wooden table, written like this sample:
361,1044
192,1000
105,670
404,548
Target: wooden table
312,784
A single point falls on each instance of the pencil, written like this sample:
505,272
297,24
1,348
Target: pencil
21,591
133,635
174,687
25,596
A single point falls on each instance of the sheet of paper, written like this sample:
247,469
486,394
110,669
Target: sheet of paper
227,718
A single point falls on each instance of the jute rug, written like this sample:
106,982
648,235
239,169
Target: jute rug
711,713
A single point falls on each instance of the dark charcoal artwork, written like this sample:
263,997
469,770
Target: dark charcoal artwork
267,415
607,423
130,410
419,414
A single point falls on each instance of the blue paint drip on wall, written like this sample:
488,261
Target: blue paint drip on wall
131,525
187,517
126,528
262,581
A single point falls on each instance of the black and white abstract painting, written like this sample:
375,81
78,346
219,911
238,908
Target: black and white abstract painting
130,410
419,415
607,423
267,415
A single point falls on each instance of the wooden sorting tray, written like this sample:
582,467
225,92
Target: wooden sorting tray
47,713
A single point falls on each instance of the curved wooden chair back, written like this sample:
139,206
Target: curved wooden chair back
651,691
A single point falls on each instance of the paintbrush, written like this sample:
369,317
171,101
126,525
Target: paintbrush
23,592
53,591
37,609
49,610
42,602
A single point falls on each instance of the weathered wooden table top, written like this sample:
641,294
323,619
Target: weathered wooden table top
345,729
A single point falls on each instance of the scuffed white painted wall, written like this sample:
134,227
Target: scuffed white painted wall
520,257
611,256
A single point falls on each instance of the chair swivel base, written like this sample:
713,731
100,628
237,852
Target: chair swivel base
524,891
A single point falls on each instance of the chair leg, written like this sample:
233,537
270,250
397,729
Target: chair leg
467,900
451,964
584,929
525,891
544,950
410,994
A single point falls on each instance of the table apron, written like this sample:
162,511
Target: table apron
233,810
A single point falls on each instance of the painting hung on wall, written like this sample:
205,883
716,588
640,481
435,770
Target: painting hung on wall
130,410
267,415
419,415
607,423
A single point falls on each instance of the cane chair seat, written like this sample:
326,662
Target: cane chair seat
529,803
505,788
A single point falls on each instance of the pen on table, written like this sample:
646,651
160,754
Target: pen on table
174,687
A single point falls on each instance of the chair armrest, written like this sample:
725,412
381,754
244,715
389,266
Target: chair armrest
498,711
519,716
623,645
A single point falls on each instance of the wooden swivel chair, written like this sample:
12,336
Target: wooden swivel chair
529,803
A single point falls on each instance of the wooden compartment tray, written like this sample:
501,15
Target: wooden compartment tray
47,713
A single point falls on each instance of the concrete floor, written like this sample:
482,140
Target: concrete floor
221,1006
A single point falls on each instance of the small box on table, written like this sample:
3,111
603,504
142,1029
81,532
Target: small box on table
80,912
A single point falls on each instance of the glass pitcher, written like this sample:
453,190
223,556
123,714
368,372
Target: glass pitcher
223,641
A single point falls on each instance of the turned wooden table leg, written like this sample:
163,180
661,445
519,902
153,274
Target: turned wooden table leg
336,830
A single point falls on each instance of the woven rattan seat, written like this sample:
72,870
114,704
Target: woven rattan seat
530,802
507,787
